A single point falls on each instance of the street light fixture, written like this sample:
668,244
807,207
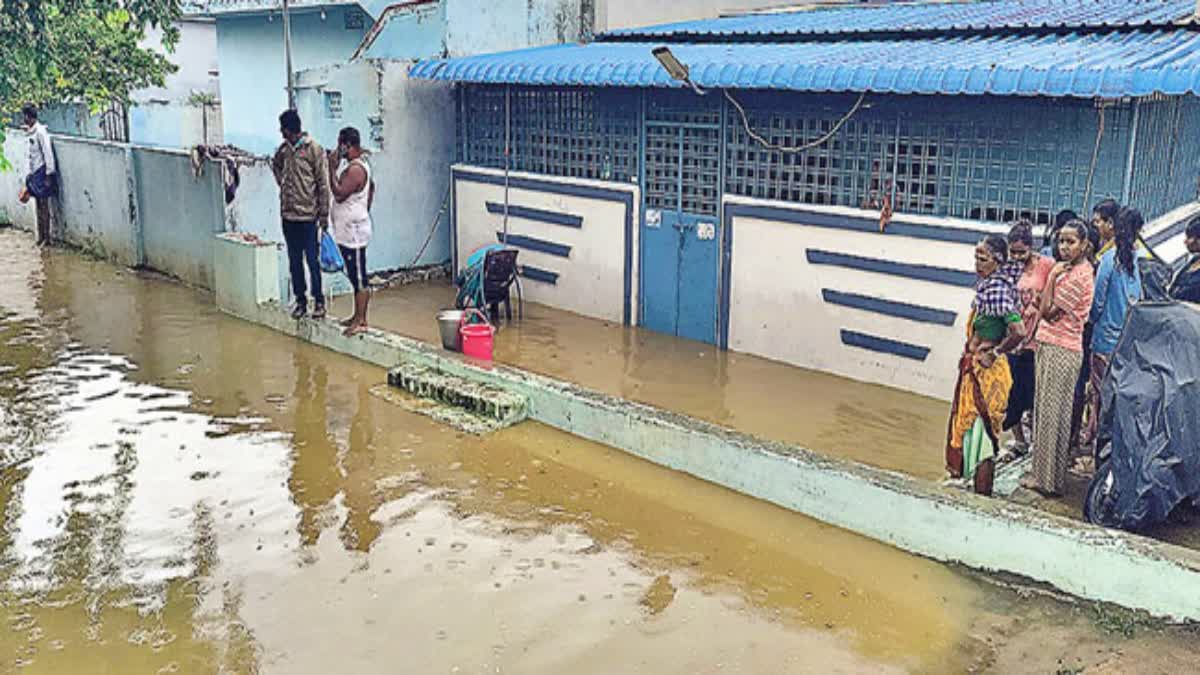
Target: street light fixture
675,68
681,73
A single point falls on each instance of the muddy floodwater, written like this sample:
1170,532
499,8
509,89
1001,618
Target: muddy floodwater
868,423
186,492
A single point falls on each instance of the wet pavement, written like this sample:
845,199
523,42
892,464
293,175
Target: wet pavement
871,424
185,492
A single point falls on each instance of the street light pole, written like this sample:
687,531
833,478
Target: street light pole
287,55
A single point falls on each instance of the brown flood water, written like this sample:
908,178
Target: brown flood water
185,492
835,416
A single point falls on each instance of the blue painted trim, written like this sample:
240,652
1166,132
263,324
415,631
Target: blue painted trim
902,310
884,345
726,274
938,275
957,235
584,191
538,274
539,215
453,227
535,244
641,261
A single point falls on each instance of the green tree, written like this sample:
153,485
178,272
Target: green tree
80,51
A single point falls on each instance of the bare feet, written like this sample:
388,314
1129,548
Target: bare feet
348,321
1029,482
355,329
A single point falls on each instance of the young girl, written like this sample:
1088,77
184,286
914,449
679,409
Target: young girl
1066,303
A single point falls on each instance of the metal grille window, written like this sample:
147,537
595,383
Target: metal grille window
852,169
983,158
581,133
994,159
333,105
1166,155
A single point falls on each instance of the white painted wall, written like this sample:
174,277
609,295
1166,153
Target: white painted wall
617,14
12,211
195,56
777,310
408,127
591,281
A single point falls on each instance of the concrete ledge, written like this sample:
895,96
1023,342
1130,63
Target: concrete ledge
913,515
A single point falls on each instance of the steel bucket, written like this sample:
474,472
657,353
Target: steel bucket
448,324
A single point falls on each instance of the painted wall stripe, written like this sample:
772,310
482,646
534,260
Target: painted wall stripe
1169,232
540,215
958,235
940,275
884,345
535,244
585,191
901,310
538,274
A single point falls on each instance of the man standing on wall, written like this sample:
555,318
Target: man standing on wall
302,173
41,181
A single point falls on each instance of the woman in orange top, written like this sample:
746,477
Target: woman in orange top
1066,303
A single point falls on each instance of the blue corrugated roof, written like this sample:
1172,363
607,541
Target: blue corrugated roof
941,16
1106,65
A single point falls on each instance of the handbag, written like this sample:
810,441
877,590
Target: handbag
330,257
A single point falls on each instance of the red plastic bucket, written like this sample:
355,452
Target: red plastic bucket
477,338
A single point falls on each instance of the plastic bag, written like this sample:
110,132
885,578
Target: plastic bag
330,257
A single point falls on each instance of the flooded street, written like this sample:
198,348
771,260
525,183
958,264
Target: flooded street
186,492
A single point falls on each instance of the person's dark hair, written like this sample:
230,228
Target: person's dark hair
350,136
1193,228
1021,231
998,246
1065,216
1109,208
1084,230
1128,226
289,120
29,110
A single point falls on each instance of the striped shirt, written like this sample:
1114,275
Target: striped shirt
1073,295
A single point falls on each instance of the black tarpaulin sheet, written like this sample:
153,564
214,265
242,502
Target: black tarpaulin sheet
1151,403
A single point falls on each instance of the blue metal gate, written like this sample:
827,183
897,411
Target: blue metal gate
681,232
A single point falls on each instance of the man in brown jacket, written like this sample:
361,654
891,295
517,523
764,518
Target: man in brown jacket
302,174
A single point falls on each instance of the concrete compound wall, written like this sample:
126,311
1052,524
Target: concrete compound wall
12,212
96,205
131,205
822,288
179,213
576,238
